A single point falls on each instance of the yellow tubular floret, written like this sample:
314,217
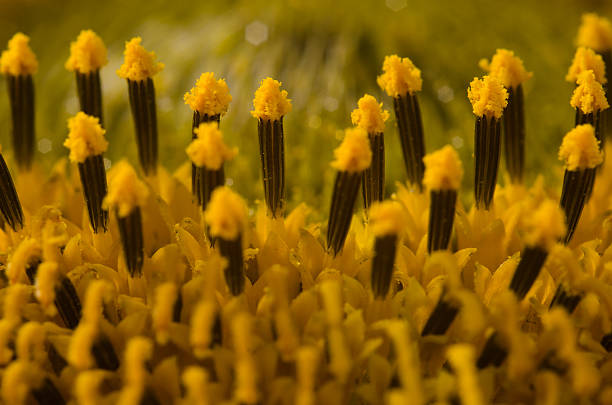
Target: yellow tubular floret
165,297
580,148
202,322
87,53
81,342
270,103
545,226
15,299
27,251
208,149
93,303
589,96
595,32
399,77
30,344
125,190
507,68
488,97
586,59
87,386
443,169
85,137
354,153
209,96
462,359
18,59
387,218
195,380
139,64
226,214
370,115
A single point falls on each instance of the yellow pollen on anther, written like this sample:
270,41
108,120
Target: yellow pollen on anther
139,64
354,153
370,115
85,137
400,77
125,191
443,169
544,226
488,97
18,59
163,310
595,32
208,149
589,96
387,218
87,53
586,59
580,148
209,96
507,68
226,214
270,103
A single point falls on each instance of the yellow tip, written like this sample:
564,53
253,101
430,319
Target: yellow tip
138,64
87,53
595,32
163,311
85,137
270,102
507,68
580,148
586,59
209,96
545,226
208,149
81,342
46,277
226,214
589,96
387,218
488,97
354,153
27,250
443,169
18,59
125,190
31,342
399,77
369,115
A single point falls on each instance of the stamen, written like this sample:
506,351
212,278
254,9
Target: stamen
162,314
492,353
226,215
23,261
353,157
387,221
195,380
10,206
581,153
370,117
138,352
87,144
139,68
401,80
53,287
443,175
208,152
30,343
127,195
87,57
87,386
19,63
246,389
201,332
589,100
489,98
586,59
270,106
461,358
307,363
565,299
441,317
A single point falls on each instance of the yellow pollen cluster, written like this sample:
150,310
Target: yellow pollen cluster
87,53
18,59
354,153
400,77
209,96
586,59
226,214
85,137
580,148
589,96
125,190
387,218
139,64
545,226
370,115
488,97
595,33
208,149
507,68
270,102
443,169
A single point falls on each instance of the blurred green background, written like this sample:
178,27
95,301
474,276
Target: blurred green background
326,53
